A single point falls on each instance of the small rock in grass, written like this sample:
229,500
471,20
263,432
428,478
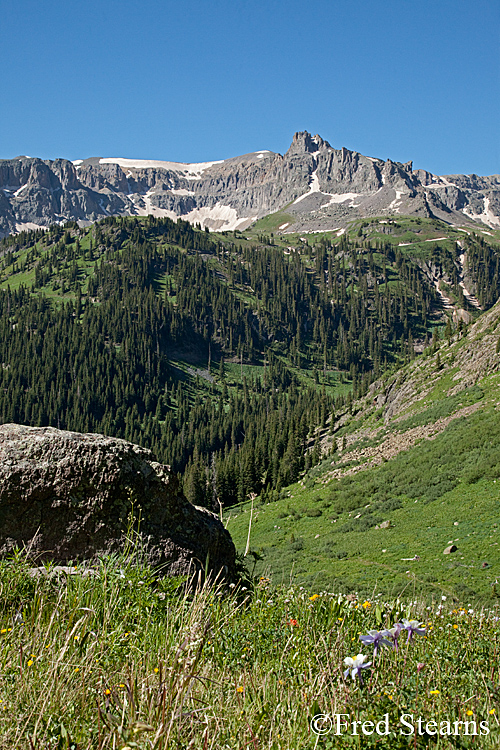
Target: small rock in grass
451,548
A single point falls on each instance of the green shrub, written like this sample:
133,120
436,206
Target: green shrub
313,512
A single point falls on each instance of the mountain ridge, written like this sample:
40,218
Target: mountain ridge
321,188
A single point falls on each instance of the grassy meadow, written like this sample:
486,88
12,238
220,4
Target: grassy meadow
118,658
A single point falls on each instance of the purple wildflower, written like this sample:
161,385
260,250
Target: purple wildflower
376,638
394,633
413,627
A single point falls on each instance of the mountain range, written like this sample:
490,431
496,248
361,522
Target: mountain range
316,186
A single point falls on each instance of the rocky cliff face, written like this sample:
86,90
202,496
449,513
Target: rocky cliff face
320,186
68,496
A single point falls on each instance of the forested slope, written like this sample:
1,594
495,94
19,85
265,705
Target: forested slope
222,353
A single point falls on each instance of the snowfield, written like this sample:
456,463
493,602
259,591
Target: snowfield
193,170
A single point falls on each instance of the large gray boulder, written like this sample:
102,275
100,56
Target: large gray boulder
69,496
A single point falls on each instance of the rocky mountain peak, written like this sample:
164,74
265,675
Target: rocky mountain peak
305,143
323,188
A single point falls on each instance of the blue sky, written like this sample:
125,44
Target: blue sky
199,80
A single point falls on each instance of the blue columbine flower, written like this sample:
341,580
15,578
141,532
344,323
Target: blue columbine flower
375,637
413,627
354,666
394,633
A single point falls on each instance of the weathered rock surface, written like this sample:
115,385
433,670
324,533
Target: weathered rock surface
69,496
321,187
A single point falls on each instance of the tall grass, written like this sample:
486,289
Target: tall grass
119,658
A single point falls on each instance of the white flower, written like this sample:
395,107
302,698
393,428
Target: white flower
354,666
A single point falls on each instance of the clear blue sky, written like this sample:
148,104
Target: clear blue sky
199,80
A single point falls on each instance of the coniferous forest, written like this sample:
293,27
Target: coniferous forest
226,355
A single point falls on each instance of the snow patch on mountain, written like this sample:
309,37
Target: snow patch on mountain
182,191
315,188
342,197
216,218
28,226
173,166
219,217
486,217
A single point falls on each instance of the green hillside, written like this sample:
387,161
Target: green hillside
428,469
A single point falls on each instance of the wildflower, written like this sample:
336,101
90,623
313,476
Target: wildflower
239,689
156,670
376,638
393,633
77,669
354,666
455,627
434,692
470,713
30,662
107,691
413,626
491,711
366,605
293,623
3,630
314,597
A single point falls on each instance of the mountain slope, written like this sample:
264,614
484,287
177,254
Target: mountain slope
410,469
322,188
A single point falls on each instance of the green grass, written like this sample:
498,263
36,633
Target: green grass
271,223
121,659
422,492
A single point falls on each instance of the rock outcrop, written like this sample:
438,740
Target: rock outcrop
69,496
321,187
